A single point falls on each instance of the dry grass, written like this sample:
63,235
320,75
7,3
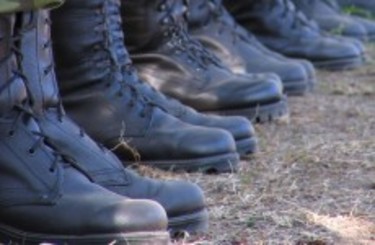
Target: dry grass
313,181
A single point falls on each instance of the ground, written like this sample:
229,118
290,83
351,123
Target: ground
313,180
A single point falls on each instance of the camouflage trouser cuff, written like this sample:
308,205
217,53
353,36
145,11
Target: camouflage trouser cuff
11,6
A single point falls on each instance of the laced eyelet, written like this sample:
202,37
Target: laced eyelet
11,133
162,7
165,21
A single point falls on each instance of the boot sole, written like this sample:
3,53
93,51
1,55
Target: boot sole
296,88
246,147
341,64
9,235
194,224
312,84
226,163
260,113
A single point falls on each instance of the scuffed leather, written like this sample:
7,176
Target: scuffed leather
327,15
41,190
180,67
282,28
99,163
91,69
215,28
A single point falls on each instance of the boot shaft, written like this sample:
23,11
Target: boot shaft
95,72
27,166
199,12
147,23
12,88
320,7
37,64
270,17
89,44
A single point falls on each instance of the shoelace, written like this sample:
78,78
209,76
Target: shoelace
113,45
181,41
291,16
47,47
24,112
227,22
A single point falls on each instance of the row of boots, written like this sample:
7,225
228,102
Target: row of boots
179,91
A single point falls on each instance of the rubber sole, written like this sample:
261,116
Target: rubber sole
340,64
260,113
226,163
296,88
194,224
9,235
311,84
246,147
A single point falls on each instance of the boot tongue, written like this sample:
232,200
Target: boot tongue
12,89
38,66
294,22
199,13
175,22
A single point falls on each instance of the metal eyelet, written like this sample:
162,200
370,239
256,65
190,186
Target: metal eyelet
11,133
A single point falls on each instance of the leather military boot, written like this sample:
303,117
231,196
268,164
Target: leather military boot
240,128
278,25
215,28
92,74
307,65
45,196
183,201
168,58
330,18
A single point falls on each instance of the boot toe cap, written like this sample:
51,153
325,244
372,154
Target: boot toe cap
202,141
335,49
129,216
181,198
247,90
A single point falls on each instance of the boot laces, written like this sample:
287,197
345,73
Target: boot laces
47,47
220,15
120,63
292,17
181,41
24,113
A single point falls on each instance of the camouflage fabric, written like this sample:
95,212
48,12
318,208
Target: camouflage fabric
9,6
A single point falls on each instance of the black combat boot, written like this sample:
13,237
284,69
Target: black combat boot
330,18
183,201
215,28
93,75
240,128
46,197
282,28
169,59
